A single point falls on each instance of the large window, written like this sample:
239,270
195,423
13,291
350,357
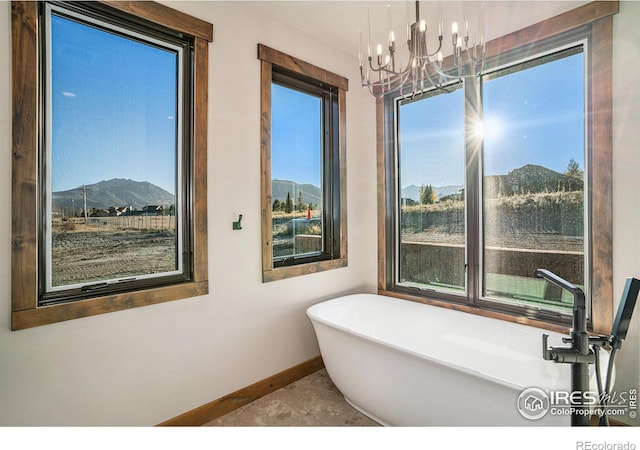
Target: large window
114,150
113,144
533,191
303,176
431,177
503,175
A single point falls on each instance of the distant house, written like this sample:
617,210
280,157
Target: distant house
453,197
101,213
152,210
115,211
112,211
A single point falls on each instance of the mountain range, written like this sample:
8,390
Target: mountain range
529,178
310,193
413,192
138,194
114,192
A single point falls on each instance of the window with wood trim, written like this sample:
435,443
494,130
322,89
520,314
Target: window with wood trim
303,173
109,167
505,174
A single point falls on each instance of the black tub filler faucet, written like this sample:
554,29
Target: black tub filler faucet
584,350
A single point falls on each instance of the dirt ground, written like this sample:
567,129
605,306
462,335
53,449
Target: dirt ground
89,254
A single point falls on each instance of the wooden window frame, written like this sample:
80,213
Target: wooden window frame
25,29
597,18
270,59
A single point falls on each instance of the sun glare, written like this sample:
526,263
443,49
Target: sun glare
478,129
492,128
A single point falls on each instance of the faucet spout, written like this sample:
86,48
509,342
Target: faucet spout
579,322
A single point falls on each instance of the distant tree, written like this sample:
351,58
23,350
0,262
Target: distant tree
300,206
423,194
288,206
277,205
573,170
427,195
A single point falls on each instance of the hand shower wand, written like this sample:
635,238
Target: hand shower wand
619,333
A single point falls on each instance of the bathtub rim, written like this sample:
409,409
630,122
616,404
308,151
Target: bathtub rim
474,372
478,311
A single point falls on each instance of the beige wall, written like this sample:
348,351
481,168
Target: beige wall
147,365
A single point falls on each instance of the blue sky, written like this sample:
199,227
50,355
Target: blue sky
432,141
114,116
113,108
296,139
534,116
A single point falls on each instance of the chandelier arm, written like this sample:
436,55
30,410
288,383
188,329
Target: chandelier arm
430,55
388,71
396,81
380,68
379,88
442,72
425,71
474,60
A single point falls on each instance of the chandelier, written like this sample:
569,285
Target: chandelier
426,68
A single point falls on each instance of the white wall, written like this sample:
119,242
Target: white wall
626,182
150,364
144,366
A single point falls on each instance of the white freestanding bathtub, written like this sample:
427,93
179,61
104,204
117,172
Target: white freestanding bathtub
408,364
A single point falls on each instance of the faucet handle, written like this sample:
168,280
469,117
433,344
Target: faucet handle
546,352
567,340
601,340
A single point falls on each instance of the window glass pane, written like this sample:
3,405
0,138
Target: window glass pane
113,161
296,170
431,184
534,196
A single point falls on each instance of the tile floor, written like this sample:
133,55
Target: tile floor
310,401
